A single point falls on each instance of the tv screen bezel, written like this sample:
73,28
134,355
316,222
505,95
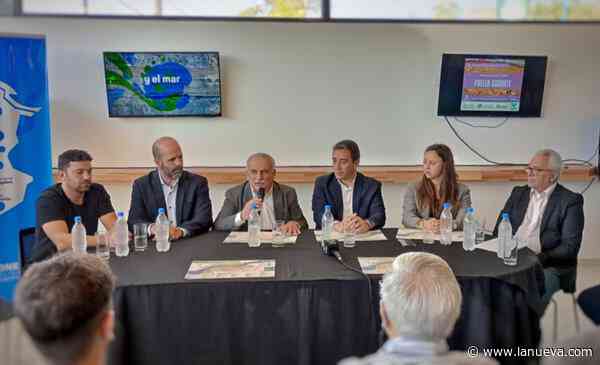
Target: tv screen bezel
451,83
220,114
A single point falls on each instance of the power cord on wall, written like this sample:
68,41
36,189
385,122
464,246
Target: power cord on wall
482,126
573,161
474,150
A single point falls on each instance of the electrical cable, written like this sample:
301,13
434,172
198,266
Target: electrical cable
582,163
578,162
368,283
482,126
496,163
595,153
588,185
130,8
474,150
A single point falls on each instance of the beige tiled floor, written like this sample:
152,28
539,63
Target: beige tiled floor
588,275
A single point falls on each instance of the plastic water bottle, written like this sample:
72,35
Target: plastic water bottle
78,236
121,236
327,222
161,231
469,230
504,235
511,252
254,225
446,225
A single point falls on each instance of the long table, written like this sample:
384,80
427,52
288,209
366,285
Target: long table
315,310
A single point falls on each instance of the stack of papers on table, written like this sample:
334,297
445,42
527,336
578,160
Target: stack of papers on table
492,245
376,265
231,269
265,237
419,234
375,235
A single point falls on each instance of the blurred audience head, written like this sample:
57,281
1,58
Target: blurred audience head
65,306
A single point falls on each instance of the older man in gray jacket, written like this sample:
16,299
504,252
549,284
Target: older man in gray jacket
277,202
420,303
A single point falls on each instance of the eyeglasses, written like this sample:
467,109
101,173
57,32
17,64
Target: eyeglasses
535,170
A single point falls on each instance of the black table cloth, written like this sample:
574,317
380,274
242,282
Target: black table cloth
315,311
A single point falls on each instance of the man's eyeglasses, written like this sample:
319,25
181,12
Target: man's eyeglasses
535,170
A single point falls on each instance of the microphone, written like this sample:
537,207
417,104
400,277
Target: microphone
331,248
260,194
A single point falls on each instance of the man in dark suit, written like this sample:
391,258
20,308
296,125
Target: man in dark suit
550,219
277,202
182,194
355,199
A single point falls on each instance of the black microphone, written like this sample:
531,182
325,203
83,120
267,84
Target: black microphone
331,248
261,193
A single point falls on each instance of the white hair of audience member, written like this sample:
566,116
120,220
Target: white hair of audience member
554,161
421,296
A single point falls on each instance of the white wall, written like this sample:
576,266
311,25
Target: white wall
294,89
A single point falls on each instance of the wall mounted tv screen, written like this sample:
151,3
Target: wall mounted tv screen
175,84
491,85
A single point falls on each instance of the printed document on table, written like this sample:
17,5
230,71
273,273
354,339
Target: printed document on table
376,265
375,235
265,237
419,234
230,269
492,245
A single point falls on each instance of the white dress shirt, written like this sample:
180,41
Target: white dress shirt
267,212
529,230
170,193
347,197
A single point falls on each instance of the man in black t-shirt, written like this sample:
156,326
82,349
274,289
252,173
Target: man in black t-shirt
58,206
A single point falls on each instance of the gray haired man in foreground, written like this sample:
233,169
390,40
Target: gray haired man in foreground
420,303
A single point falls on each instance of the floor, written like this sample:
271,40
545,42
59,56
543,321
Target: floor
588,275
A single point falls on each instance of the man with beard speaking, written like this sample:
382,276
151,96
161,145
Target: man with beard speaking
183,195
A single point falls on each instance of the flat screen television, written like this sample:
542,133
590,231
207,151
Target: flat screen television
476,85
162,84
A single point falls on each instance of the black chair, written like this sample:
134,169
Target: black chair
589,302
26,242
6,311
568,278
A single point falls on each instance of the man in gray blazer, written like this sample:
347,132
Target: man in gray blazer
275,201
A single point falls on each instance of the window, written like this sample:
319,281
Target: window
178,8
402,10
468,10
